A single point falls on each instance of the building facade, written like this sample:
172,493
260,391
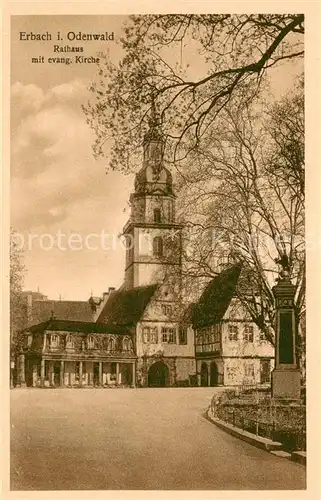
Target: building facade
61,353
150,301
230,349
140,334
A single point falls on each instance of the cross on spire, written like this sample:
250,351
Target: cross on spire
154,122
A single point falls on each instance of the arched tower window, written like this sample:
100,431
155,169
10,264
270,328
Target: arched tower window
157,215
158,246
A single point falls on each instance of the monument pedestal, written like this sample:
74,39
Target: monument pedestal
286,384
286,379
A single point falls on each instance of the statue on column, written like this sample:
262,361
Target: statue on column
284,267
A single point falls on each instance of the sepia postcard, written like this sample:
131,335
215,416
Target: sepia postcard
161,250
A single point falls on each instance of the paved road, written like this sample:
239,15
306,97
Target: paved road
128,439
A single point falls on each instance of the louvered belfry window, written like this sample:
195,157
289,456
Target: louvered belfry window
158,246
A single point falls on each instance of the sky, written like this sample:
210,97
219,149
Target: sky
56,184
58,189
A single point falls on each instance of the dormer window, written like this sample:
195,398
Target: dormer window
157,215
112,344
54,340
126,344
262,336
70,344
167,309
91,342
158,246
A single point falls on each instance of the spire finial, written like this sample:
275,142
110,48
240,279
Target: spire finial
153,113
154,122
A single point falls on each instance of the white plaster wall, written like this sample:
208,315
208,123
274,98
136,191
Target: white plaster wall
238,315
163,348
235,371
185,368
241,347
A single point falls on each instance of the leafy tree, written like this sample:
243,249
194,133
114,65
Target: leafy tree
286,127
17,306
237,208
240,171
232,56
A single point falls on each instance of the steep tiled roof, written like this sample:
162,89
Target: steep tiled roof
248,282
216,297
71,310
77,326
187,313
125,307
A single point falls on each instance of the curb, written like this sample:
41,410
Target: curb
300,457
266,444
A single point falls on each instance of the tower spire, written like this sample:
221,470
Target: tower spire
154,133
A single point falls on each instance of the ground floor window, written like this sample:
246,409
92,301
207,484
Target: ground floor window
249,370
183,335
168,335
265,370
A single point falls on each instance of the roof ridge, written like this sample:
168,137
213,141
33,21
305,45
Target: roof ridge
217,296
126,307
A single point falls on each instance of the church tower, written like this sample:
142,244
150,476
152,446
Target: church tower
153,239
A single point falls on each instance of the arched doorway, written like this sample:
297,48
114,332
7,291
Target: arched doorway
158,375
204,375
214,374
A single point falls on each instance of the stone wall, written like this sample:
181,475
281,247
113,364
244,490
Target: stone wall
180,370
185,368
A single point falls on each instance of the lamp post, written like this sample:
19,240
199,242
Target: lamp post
286,374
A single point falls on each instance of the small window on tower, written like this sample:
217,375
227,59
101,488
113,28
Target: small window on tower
157,215
158,246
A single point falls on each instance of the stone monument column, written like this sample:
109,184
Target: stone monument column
286,374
